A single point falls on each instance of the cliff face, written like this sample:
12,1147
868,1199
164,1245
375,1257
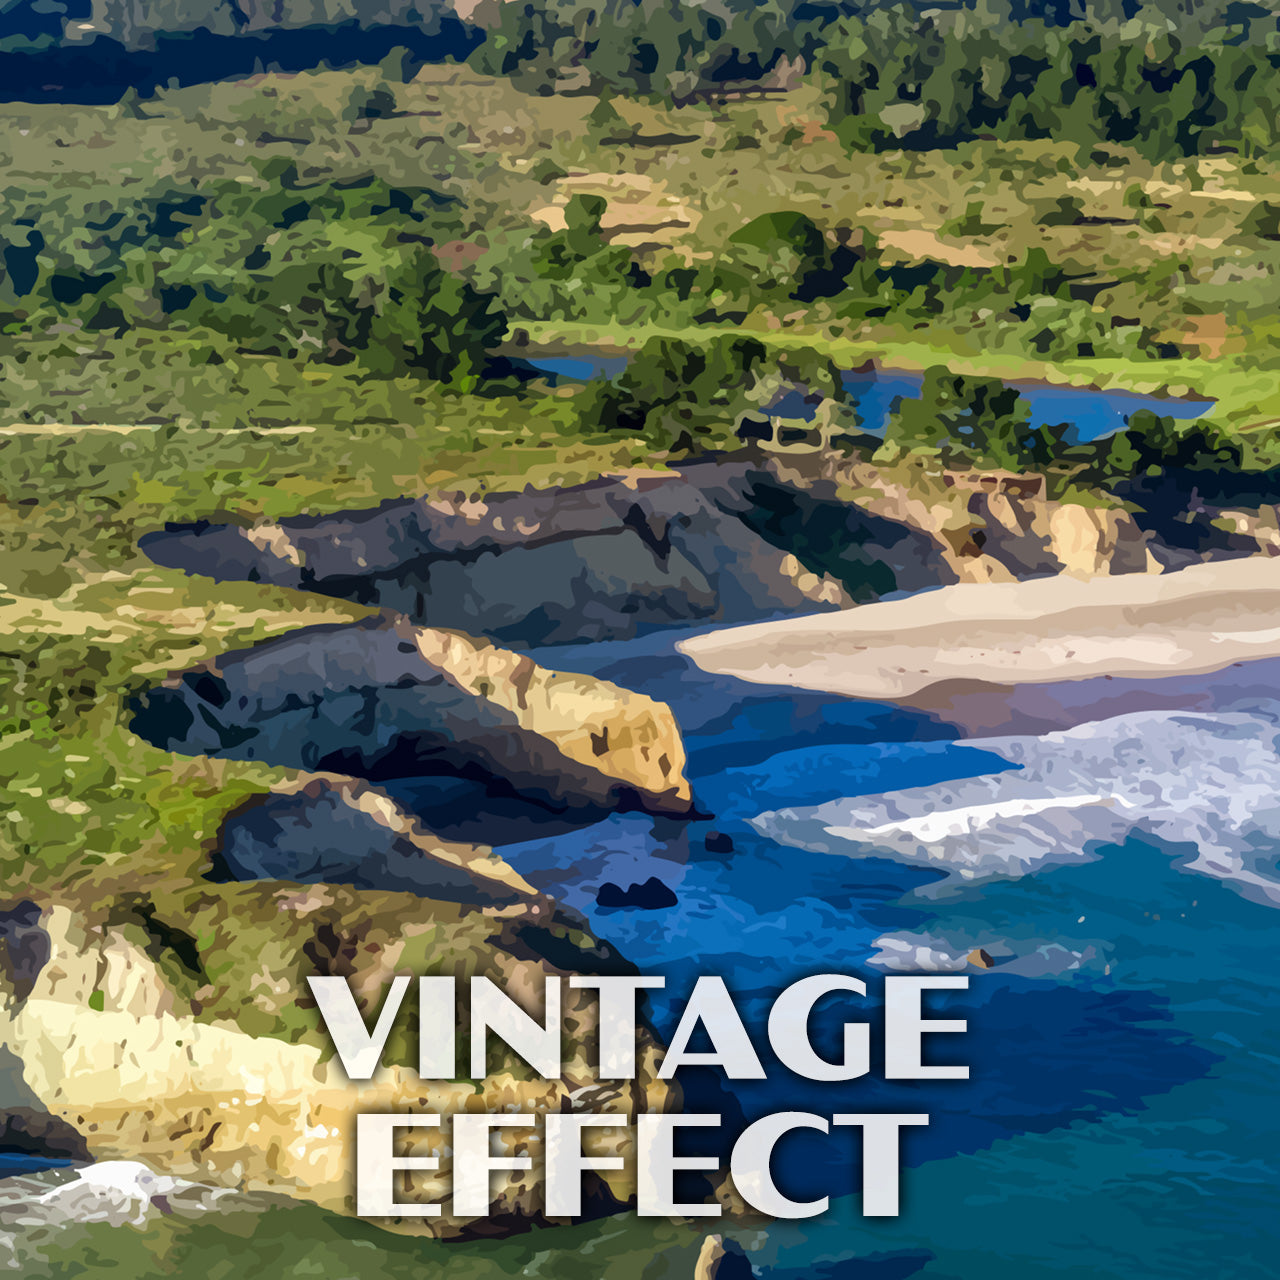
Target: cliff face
128,1051
1088,541
326,828
876,528
714,541
601,561
393,700
1001,538
932,531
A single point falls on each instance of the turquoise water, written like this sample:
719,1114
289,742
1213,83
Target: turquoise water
1120,1119
874,394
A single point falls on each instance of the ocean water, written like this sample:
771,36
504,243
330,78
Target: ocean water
1124,1045
1122,877
13,1163
875,395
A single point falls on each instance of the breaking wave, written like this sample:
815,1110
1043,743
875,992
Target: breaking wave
1211,781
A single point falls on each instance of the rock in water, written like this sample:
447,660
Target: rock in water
650,896
387,699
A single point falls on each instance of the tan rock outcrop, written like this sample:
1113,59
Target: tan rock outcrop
599,728
387,698
1002,532
147,1055
1091,541
721,1259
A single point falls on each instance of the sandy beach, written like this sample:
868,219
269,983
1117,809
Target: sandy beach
1046,631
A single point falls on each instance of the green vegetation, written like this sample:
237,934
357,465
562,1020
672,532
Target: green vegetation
249,300
978,419
679,395
922,76
983,422
260,264
311,248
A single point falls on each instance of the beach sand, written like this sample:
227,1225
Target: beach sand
1040,654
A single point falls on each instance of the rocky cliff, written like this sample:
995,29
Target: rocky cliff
388,699
910,526
604,560
182,1036
725,541
1000,537
326,828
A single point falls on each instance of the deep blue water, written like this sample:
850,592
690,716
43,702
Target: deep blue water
1120,1119
16,1162
1092,413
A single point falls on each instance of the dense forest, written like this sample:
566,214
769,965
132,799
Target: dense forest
1163,78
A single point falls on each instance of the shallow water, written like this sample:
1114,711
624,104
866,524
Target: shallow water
875,395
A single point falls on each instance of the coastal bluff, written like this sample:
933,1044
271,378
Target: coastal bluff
605,560
180,1035
714,541
384,698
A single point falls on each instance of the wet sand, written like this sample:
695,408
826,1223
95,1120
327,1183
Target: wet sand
1044,653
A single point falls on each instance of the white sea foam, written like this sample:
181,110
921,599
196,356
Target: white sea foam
958,952
1211,781
116,1192
931,827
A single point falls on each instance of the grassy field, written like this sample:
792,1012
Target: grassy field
1170,250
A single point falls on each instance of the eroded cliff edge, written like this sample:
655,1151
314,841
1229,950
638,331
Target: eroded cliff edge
171,1024
384,698
714,541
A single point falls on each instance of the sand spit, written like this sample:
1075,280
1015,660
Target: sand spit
1047,630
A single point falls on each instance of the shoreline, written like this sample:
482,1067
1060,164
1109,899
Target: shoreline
983,654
